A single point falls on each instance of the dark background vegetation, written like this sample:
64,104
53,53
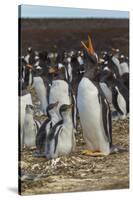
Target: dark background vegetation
42,34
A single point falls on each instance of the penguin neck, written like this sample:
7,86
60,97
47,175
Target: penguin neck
29,116
67,119
54,117
91,66
90,73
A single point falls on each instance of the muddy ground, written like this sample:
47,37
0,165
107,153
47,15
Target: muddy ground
76,172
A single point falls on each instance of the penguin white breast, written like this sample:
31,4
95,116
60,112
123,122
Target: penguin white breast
59,91
107,92
65,140
41,92
121,102
117,63
30,130
70,71
90,116
124,68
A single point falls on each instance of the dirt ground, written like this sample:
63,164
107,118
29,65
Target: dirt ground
76,172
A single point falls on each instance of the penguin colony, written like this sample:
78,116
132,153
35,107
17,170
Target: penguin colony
73,87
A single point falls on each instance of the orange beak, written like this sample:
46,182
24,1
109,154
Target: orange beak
52,70
29,66
88,47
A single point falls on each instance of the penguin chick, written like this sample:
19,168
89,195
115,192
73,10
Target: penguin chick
31,127
43,132
61,140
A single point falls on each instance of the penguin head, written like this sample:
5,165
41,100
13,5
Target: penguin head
122,58
51,109
65,109
115,52
93,57
29,109
29,49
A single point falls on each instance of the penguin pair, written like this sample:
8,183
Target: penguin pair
56,137
36,82
42,135
94,110
61,140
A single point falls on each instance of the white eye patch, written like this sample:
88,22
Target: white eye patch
80,60
60,65
68,59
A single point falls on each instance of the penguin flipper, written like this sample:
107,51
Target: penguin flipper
54,130
106,117
41,135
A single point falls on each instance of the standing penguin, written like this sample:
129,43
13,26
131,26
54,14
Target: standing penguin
123,65
120,98
94,111
31,127
61,91
61,140
38,84
44,130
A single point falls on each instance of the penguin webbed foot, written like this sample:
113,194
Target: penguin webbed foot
93,153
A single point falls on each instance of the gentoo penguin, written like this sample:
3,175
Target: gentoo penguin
68,70
62,92
105,86
113,63
37,83
41,92
120,98
123,65
115,59
24,99
124,71
31,127
61,140
44,130
29,58
94,110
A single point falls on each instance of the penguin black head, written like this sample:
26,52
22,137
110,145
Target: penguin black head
122,58
64,109
51,108
29,49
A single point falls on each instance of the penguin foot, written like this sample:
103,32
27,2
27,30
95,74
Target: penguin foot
91,153
39,154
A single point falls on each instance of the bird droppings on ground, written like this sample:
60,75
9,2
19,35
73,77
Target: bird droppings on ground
77,172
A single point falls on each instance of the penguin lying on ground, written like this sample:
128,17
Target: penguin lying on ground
44,131
94,110
61,140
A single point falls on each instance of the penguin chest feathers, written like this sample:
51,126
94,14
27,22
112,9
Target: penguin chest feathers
90,113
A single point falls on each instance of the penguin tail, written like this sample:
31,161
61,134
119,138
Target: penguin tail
116,149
